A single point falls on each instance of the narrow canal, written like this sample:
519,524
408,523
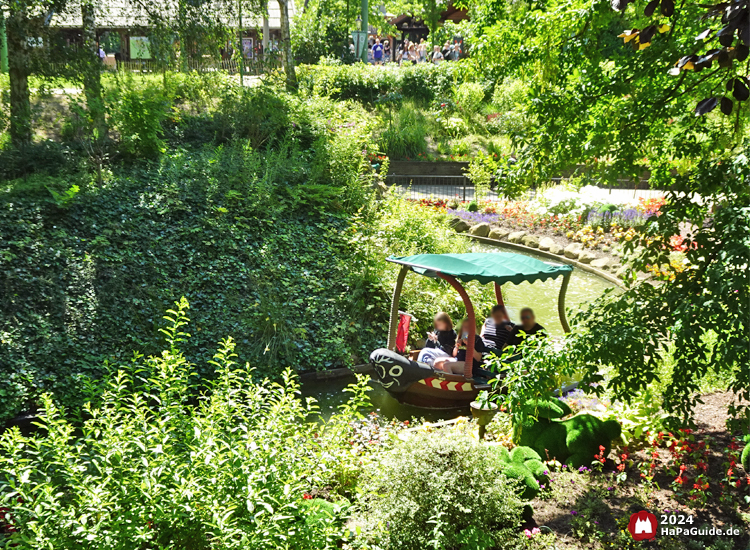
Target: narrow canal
540,296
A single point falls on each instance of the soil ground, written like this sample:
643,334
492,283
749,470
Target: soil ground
595,496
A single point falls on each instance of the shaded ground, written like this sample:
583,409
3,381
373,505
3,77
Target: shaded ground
591,509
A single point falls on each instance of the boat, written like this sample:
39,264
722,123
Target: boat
421,385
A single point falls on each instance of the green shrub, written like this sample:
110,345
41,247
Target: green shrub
174,466
509,100
405,136
510,95
365,83
431,487
469,97
136,112
255,115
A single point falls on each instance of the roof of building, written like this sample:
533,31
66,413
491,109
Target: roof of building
126,14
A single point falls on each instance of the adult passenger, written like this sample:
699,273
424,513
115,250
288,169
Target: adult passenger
497,328
527,327
440,342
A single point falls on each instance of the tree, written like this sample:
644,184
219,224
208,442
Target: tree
287,58
29,39
92,85
613,94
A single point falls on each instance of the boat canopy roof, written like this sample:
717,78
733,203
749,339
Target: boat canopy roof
485,267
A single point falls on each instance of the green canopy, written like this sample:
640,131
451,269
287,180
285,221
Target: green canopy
499,267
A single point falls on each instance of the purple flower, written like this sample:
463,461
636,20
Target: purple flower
573,513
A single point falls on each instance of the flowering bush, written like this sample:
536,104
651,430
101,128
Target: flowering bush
474,217
628,217
651,207
437,204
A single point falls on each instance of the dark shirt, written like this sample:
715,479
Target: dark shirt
496,335
377,51
446,341
478,346
516,337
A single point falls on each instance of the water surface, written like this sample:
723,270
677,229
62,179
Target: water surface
542,297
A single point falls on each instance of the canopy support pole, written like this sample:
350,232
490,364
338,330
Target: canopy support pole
561,303
393,326
469,363
499,294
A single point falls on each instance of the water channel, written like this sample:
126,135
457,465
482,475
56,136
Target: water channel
540,296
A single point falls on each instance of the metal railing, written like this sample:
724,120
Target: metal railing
436,187
460,188
253,66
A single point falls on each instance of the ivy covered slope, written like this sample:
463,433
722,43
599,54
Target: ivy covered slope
260,243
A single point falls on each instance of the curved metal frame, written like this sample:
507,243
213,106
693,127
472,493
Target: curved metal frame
393,324
469,363
561,302
499,294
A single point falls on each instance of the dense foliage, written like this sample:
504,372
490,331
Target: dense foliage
87,269
155,466
440,492
364,83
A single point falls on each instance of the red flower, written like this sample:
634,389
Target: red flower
307,496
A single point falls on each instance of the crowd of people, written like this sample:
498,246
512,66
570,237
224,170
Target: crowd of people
445,350
409,52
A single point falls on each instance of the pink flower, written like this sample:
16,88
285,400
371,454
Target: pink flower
531,533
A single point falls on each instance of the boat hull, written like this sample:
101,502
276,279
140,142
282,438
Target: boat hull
419,384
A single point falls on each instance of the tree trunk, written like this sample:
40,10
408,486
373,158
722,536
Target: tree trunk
18,69
287,59
3,45
92,85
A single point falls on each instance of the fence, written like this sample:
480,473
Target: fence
459,187
254,66
438,187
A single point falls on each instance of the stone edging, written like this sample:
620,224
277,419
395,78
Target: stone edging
555,257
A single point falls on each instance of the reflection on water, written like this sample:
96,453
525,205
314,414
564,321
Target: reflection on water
540,296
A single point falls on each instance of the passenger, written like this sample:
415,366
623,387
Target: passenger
455,364
440,342
527,327
496,329
443,337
